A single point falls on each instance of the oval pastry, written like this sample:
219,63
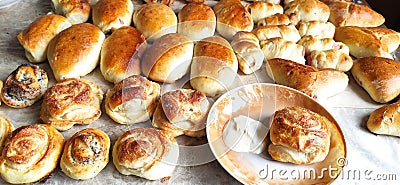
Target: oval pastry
31,153
145,152
71,101
24,86
85,154
110,15
76,11
6,129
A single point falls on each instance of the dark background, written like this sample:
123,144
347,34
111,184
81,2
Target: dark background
390,9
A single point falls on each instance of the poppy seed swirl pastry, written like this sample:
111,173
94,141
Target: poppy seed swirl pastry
71,101
146,152
299,136
182,111
6,129
24,86
85,154
31,153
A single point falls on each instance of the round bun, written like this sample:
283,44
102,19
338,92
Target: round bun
196,21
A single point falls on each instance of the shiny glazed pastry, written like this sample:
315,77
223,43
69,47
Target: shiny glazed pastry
120,54
146,152
182,112
333,59
37,36
166,2
308,10
110,15
85,154
279,48
76,11
197,21
155,20
132,100
299,136
311,43
6,129
385,120
24,86
287,32
31,154
248,52
71,101
69,57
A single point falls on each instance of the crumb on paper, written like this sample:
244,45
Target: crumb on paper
165,179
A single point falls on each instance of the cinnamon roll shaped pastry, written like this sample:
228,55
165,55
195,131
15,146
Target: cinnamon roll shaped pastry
287,32
278,19
71,101
182,112
6,129
146,152
311,43
333,59
248,52
76,11
85,154
132,100
24,86
260,10
31,153
279,48
110,15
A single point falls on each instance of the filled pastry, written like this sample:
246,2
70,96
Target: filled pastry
308,10
260,10
248,52
197,21
287,32
278,19
333,59
6,129
71,101
76,11
316,29
132,100
146,152
110,15
279,48
385,120
31,154
85,154
311,43
166,2
24,86
182,112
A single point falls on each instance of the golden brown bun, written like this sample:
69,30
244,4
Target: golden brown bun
378,76
166,2
132,100
146,152
316,29
196,21
278,19
248,52
279,48
37,36
31,153
168,59
364,42
155,20
68,57
120,54
385,120
182,111
299,136
110,15
214,66
6,129
351,14
316,83
333,59
85,154
287,32
76,11
261,10
24,86
308,10
311,43
71,101
232,17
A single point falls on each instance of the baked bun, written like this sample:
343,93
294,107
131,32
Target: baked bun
232,17
37,36
351,14
166,2
120,54
380,77
365,42
308,10
110,15
155,20
385,120
260,10
85,154
146,152
214,66
311,43
316,83
6,129
24,86
333,59
132,100
287,32
196,21
71,101
31,154
168,59
248,52
278,19
299,136
279,48
75,11
182,112
1,87
317,29
68,57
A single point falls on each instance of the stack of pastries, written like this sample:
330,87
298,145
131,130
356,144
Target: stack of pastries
308,45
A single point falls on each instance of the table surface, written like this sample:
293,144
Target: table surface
369,154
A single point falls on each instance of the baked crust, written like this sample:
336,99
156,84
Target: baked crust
76,11
308,10
196,21
109,15
6,129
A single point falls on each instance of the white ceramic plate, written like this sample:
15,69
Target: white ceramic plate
259,101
